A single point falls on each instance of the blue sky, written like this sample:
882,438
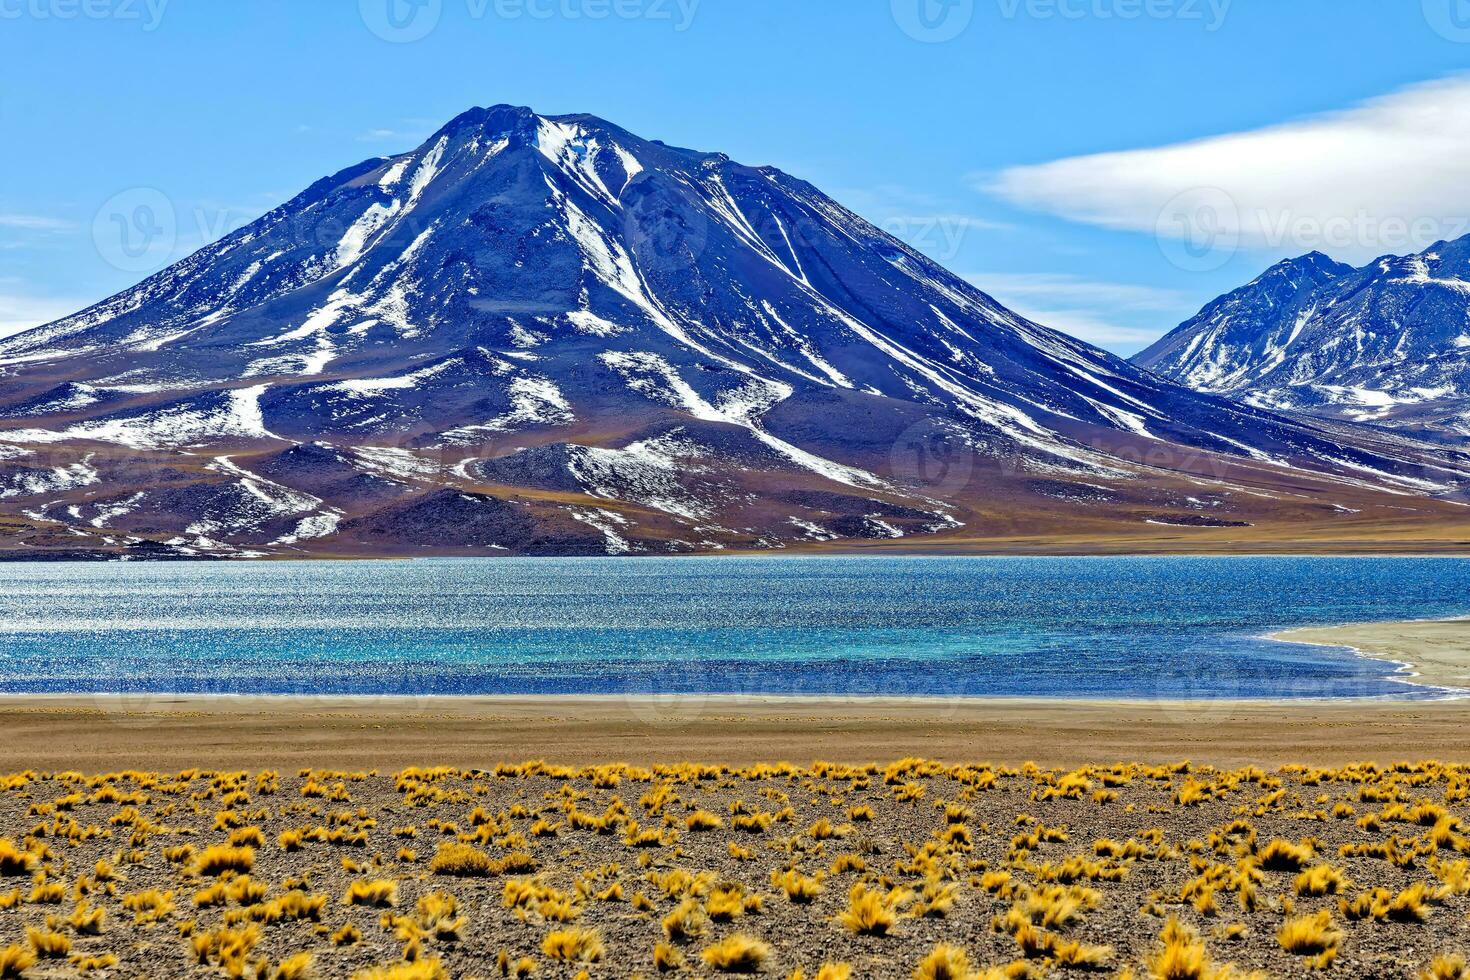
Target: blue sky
1033,146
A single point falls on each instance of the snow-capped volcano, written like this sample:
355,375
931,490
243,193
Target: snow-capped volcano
1388,343
542,334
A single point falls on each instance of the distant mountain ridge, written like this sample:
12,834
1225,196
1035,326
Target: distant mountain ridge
1387,344
545,335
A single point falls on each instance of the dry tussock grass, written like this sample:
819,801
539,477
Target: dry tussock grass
828,871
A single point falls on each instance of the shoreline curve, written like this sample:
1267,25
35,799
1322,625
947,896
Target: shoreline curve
1430,652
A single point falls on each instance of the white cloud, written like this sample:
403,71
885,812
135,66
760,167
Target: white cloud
1119,338
1389,175
1101,313
391,136
33,222
923,221
1073,290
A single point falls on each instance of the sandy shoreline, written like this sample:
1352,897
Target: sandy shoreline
95,734
1434,652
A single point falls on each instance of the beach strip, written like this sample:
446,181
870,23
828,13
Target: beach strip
104,734
1436,651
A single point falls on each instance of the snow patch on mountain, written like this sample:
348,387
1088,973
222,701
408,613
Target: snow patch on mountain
1377,345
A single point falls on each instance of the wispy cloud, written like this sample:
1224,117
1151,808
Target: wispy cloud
1119,338
391,136
1390,174
929,223
886,202
1074,289
34,222
1123,317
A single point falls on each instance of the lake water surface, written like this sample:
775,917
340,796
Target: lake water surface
1051,627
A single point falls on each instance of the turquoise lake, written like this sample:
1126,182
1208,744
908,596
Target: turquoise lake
1031,627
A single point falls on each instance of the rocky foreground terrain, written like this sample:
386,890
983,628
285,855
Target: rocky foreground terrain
913,868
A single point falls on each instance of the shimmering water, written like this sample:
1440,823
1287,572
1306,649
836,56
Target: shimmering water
1056,627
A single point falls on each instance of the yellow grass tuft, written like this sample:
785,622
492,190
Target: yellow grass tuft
47,944
936,900
944,963
91,964
702,820
667,958
48,893
1312,936
726,904
1182,956
871,912
247,837
86,920
580,945
464,861
1446,967
1321,879
438,914
798,887
1280,855
737,953
687,921
429,969
1073,955
220,858
376,894
15,961
229,948
297,967
1411,904
149,906
834,971
15,862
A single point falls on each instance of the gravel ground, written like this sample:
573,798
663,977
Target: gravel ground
480,873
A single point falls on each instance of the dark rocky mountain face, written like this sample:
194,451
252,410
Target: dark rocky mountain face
1387,344
545,335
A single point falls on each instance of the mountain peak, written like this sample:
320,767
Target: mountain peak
1315,266
1385,343
571,339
